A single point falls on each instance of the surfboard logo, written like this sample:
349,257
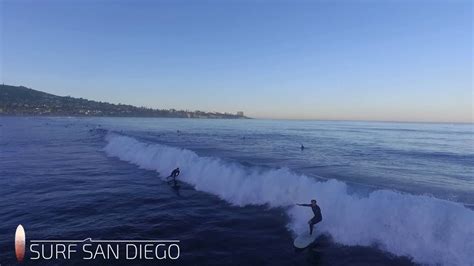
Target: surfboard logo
20,240
91,249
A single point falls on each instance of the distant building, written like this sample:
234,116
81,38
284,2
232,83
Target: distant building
240,113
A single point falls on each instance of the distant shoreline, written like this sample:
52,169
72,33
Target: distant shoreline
23,101
97,116
249,118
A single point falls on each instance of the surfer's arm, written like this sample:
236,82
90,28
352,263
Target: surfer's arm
304,205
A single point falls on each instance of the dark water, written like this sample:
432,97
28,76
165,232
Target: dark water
391,193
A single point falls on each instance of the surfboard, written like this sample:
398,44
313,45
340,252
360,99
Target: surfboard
20,243
304,240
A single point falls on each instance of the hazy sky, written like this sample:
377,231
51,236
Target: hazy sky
370,60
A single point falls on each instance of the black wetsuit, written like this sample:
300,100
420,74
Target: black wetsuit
317,216
174,174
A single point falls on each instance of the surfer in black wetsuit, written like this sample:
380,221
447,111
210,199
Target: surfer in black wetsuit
174,174
317,215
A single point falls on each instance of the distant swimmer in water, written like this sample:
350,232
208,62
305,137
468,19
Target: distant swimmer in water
302,147
317,215
174,174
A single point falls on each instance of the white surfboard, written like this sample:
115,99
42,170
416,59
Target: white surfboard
304,240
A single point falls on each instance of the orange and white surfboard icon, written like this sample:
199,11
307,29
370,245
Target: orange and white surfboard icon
20,243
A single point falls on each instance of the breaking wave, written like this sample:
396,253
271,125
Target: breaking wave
427,229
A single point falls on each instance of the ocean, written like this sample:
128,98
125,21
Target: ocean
390,193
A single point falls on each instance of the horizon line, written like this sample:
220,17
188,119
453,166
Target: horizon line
259,118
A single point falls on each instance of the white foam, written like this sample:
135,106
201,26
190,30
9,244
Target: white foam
427,229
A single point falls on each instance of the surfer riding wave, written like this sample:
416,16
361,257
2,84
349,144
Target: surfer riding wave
317,215
378,221
174,174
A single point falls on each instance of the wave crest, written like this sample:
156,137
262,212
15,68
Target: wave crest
427,229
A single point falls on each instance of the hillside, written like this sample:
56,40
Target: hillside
19,100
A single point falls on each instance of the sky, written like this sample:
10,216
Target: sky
339,60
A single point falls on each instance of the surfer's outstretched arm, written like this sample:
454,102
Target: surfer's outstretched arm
304,205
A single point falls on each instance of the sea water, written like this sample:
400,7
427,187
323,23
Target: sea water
390,193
